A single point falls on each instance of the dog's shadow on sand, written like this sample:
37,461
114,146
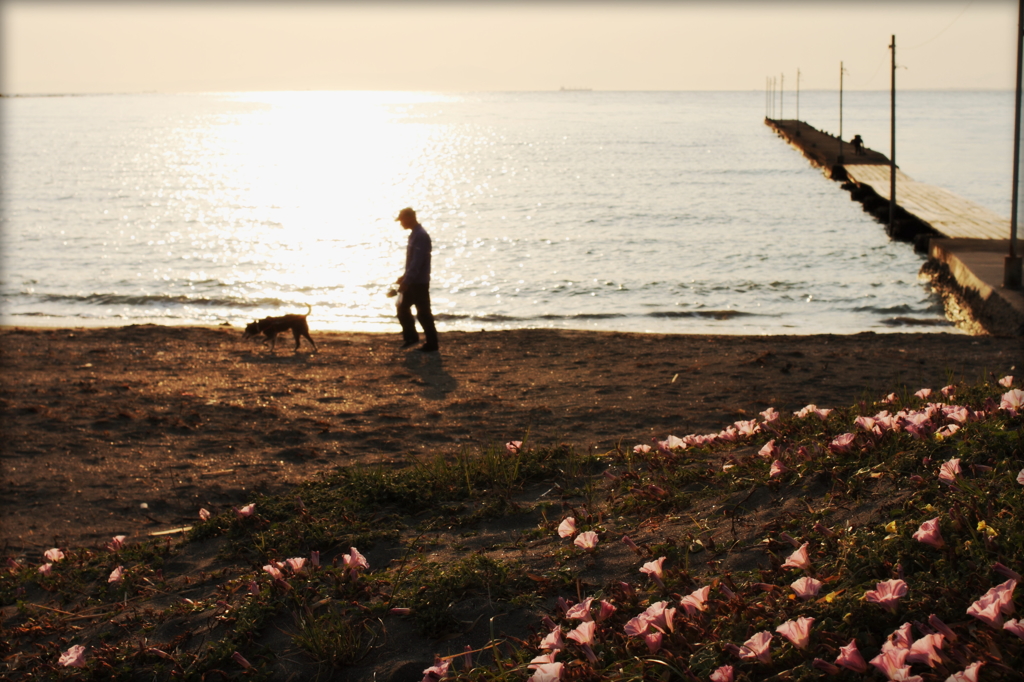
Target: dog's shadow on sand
429,367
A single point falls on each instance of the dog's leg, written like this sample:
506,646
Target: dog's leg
310,339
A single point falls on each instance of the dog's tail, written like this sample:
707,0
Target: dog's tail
309,309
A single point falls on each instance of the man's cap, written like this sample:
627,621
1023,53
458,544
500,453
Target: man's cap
406,213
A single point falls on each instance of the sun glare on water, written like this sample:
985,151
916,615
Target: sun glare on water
314,181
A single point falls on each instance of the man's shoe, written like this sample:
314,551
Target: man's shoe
409,344
428,348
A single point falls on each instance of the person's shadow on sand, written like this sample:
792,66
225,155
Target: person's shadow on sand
429,367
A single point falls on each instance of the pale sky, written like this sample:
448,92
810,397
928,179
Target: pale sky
136,46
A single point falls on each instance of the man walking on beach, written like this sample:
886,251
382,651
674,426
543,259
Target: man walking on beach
414,285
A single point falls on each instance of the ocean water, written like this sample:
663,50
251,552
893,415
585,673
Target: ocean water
674,212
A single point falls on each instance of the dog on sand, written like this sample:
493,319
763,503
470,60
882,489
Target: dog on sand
270,327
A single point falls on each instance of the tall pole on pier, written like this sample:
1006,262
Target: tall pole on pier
1012,264
840,158
892,142
782,91
798,100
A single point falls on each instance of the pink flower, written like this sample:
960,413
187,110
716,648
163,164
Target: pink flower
778,468
116,543
864,423
314,558
969,674
605,610
842,443
246,511
724,674
729,434
1012,401
73,657
584,636
553,641
581,611
436,672
658,616
803,412
798,631
947,431
587,540
756,648
822,413
1020,477
240,660
655,570
887,593
1014,626
296,564
567,528
748,428
46,569
653,641
850,658
929,534
629,543
923,393
1006,381
513,447
892,662
53,554
399,611
770,415
769,450
355,560
672,443
926,650
204,514
641,449
994,604
798,559
661,616
956,413
696,600
546,672
274,571
805,587
949,470
116,575
948,390
890,399
901,638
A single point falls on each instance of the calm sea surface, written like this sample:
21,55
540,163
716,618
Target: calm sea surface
664,212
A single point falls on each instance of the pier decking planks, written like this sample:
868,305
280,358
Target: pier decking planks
948,214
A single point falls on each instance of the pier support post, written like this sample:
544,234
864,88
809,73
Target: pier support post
1012,265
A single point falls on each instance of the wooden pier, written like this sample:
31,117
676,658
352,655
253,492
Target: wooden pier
966,243
946,214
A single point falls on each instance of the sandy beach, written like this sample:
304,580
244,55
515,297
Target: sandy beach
132,430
